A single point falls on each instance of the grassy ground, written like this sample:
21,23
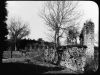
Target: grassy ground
37,67
30,69
31,66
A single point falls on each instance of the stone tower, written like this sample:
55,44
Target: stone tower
88,38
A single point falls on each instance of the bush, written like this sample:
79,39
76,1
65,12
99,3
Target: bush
17,54
6,54
31,54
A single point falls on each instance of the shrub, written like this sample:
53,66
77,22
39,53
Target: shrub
6,54
31,54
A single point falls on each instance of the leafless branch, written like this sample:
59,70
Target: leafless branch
57,14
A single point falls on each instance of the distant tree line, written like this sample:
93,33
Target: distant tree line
26,43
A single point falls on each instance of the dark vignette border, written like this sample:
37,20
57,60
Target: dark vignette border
3,27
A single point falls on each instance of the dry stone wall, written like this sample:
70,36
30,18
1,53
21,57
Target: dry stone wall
74,58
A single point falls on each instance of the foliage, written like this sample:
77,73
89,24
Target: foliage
3,28
89,26
49,54
72,34
15,54
6,54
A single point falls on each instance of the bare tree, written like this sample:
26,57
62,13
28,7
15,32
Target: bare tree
57,14
17,30
50,36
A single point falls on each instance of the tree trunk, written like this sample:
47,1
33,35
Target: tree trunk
57,49
11,53
12,47
56,39
15,45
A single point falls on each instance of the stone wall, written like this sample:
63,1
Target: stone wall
49,54
74,58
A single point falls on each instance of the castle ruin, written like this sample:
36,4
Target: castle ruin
88,38
86,46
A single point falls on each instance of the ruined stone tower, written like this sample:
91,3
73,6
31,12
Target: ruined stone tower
88,38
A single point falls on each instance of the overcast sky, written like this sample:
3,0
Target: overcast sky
29,12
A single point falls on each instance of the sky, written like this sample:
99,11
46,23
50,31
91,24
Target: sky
28,11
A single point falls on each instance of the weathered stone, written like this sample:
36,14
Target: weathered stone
88,32
74,58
